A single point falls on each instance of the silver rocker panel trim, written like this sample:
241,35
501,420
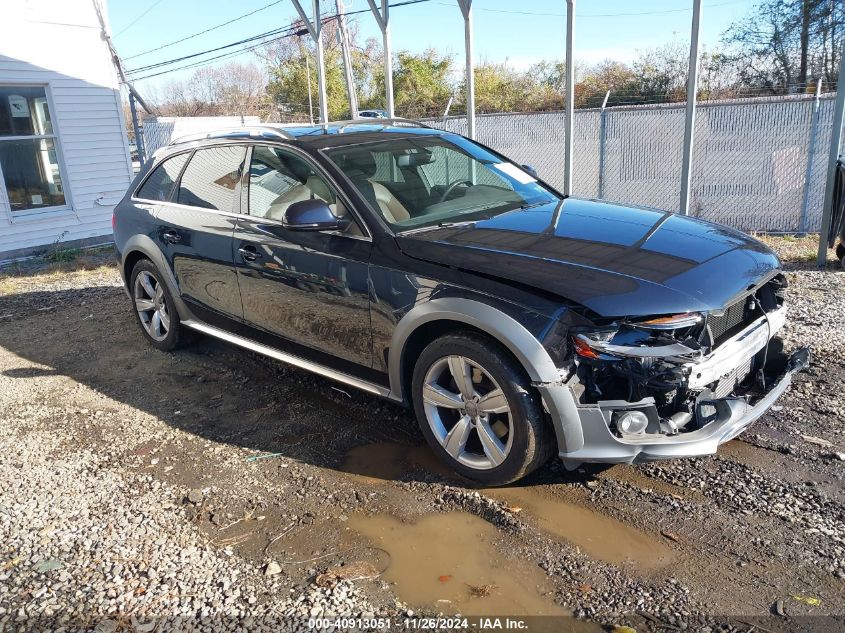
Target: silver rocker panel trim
290,359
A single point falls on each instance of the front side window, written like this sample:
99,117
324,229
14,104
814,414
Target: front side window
160,183
29,164
278,178
431,180
211,176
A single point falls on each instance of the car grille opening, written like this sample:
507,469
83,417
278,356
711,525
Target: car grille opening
735,317
742,313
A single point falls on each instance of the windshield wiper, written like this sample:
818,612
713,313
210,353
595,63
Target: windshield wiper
439,225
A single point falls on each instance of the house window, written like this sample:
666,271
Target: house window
29,165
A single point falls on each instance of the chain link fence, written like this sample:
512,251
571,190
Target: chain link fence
758,164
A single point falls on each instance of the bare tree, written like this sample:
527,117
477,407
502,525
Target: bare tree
230,89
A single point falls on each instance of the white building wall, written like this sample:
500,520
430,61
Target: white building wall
58,44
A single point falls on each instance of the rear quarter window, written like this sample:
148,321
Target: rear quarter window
160,183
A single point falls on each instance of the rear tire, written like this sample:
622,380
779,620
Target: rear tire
477,410
154,308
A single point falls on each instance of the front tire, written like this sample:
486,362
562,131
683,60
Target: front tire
154,307
478,411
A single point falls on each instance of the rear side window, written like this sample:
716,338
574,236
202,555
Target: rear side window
210,178
160,182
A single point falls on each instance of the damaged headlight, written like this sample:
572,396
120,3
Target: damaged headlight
631,359
658,337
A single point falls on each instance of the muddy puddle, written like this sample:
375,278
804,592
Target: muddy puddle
597,535
448,562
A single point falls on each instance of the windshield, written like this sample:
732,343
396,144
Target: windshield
429,181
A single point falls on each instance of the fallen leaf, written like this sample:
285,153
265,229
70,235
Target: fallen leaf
585,588
671,536
13,563
623,629
513,509
813,602
481,591
444,578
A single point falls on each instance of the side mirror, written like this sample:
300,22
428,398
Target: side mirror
531,171
312,215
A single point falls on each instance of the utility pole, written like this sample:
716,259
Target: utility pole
133,94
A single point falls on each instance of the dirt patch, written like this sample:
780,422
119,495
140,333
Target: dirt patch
284,462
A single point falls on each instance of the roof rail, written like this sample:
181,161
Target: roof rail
234,133
382,122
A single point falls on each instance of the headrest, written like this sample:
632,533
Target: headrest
358,164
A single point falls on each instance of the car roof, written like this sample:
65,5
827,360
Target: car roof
333,134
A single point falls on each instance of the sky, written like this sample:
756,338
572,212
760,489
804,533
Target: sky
517,32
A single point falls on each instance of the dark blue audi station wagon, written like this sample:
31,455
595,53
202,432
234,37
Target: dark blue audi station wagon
426,268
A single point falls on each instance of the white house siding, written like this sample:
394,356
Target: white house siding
58,44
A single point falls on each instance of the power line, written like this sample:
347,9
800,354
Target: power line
279,32
132,23
208,30
176,60
593,15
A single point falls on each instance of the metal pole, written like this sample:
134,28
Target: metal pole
305,53
388,59
570,97
383,20
446,111
602,142
139,140
347,60
692,91
315,28
832,158
321,64
466,9
811,149
308,79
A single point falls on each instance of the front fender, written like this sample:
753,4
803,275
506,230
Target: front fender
544,374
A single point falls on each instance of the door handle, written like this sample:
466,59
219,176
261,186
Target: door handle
172,237
249,253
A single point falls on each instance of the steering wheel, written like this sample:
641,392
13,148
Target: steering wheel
451,188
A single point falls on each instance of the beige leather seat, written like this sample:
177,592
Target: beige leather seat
391,208
314,187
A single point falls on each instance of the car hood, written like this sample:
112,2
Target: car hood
615,260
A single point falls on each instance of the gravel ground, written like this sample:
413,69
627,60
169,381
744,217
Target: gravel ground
210,489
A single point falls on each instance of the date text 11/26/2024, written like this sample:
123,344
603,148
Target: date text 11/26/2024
419,624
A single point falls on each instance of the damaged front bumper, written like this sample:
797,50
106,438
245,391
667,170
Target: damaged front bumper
732,416
587,432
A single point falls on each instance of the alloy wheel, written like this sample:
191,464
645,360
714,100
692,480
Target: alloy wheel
151,305
468,412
